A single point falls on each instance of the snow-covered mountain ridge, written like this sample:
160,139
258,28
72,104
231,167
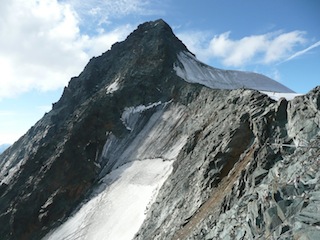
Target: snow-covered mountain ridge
149,143
194,71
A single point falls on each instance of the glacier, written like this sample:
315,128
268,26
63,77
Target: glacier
192,70
117,208
118,205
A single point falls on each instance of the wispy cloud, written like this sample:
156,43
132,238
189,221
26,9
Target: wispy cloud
301,52
111,8
254,49
99,12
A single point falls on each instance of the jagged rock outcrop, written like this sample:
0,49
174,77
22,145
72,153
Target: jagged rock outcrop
222,150
241,177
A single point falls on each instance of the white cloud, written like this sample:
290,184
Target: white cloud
102,11
196,42
236,52
301,52
254,49
110,7
42,47
98,44
282,45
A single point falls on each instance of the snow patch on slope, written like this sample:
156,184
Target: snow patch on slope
157,138
117,211
9,170
128,112
114,86
193,71
276,96
119,204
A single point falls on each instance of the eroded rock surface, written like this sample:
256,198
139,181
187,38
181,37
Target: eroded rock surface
240,176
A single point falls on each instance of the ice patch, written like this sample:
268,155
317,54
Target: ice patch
118,211
113,86
276,95
193,71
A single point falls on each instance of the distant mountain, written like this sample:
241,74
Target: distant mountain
150,143
3,147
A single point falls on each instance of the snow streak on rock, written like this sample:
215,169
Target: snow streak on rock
128,116
157,138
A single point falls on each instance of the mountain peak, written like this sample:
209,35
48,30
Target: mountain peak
155,34
157,24
150,50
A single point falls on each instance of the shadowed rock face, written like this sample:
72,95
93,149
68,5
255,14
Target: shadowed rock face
232,148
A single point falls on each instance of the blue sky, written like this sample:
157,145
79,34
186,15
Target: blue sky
44,43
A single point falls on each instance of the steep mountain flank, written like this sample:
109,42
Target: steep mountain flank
139,141
57,160
240,176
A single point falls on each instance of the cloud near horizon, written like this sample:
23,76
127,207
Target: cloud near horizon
264,49
42,47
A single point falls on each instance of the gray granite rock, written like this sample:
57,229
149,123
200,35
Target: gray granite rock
242,176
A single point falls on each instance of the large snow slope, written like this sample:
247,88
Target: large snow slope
118,208
194,71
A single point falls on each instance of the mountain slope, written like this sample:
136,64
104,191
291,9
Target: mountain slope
139,132
193,71
59,160
240,175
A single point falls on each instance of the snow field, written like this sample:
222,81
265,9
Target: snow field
119,204
276,95
193,71
118,211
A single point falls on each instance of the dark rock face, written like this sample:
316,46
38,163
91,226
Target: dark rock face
56,160
235,177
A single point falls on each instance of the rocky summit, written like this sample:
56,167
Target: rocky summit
150,143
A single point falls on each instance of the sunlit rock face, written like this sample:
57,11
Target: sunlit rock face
149,143
242,174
